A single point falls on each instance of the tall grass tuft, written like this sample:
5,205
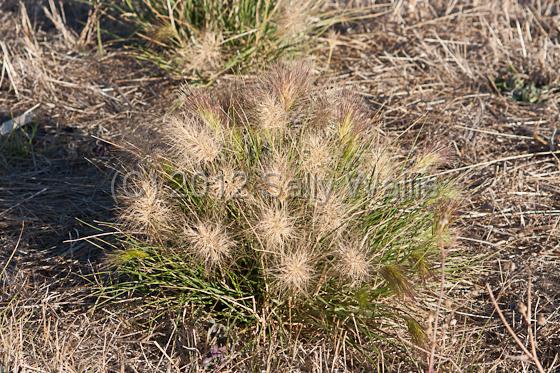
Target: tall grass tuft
283,204
202,39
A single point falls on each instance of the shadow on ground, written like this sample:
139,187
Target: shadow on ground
54,184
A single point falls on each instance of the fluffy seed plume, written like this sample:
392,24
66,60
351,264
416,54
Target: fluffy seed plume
209,242
397,280
203,54
294,272
289,82
330,212
379,166
271,115
294,18
428,161
147,210
351,116
161,33
276,227
228,184
194,142
205,107
353,262
317,155
277,176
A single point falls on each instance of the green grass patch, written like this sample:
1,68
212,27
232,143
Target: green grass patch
202,39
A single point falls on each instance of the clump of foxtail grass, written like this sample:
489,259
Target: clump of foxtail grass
203,39
283,202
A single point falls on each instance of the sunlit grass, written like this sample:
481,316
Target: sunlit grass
250,246
202,39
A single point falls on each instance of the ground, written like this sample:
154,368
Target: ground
475,80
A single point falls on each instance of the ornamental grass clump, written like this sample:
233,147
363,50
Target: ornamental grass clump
202,39
281,202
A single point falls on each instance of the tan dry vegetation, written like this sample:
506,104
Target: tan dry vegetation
429,69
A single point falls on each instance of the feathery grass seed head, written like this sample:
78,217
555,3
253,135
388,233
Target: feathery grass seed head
351,116
277,176
227,184
426,162
202,54
330,213
147,210
271,116
205,107
289,82
294,18
276,227
397,280
209,242
193,142
317,157
353,262
294,272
